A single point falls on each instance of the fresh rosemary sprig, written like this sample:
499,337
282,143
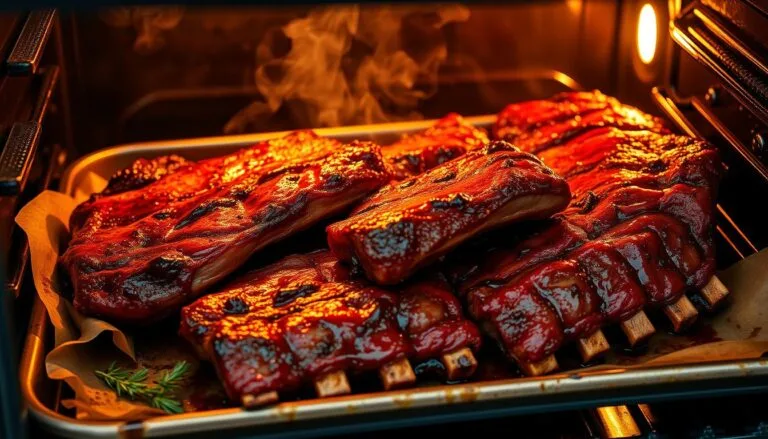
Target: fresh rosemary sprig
133,385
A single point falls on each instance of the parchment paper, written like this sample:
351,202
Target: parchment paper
83,345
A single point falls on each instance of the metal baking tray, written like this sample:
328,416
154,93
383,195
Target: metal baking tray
360,412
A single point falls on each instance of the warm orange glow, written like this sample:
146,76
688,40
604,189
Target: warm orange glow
646,34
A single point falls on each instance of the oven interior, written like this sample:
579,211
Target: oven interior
76,81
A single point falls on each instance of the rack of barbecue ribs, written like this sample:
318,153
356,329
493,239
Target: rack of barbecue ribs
450,137
305,319
638,232
149,185
534,126
408,225
139,251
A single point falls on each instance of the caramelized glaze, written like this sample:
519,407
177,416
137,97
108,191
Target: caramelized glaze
137,256
638,230
448,138
286,324
409,224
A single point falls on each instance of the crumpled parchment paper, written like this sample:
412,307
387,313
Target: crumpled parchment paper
83,344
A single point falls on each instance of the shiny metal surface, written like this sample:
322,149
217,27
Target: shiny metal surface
617,422
565,390
17,155
28,52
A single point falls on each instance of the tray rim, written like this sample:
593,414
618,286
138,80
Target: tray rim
509,389
193,143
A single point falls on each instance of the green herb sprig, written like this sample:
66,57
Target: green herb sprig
133,385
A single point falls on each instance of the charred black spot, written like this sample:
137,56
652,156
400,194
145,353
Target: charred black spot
293,178
161,215
657,166
356,269
509,163
235,305
167,266
324,348
448,176
272,214
262,351
457,202
587,203
334,180
276,214
369,158
286,297
394,240
446,154
205,209
413,160
239,193
142,173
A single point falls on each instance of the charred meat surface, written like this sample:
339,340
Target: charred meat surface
638,231
537,125
205,221
409,224
287,324
143,172
448,138
148,186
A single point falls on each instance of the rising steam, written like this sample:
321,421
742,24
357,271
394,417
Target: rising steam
149,22
350,65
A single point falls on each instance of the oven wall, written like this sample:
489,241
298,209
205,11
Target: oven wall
149,73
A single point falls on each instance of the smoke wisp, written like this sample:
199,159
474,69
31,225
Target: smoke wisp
350,65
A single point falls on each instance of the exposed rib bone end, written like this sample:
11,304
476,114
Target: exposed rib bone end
459,364
714,292
542,367
593,346
397,374
332,384
637,328
251,402
681,313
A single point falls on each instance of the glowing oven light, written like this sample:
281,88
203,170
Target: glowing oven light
646,34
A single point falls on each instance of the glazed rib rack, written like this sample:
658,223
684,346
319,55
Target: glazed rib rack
408,225
165,231
627,218
638,232
306,319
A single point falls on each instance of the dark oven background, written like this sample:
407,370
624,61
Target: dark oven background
133,74
142,73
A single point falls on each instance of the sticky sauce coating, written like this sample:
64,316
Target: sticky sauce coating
284,325
138,255
637,233
450,137
407,225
